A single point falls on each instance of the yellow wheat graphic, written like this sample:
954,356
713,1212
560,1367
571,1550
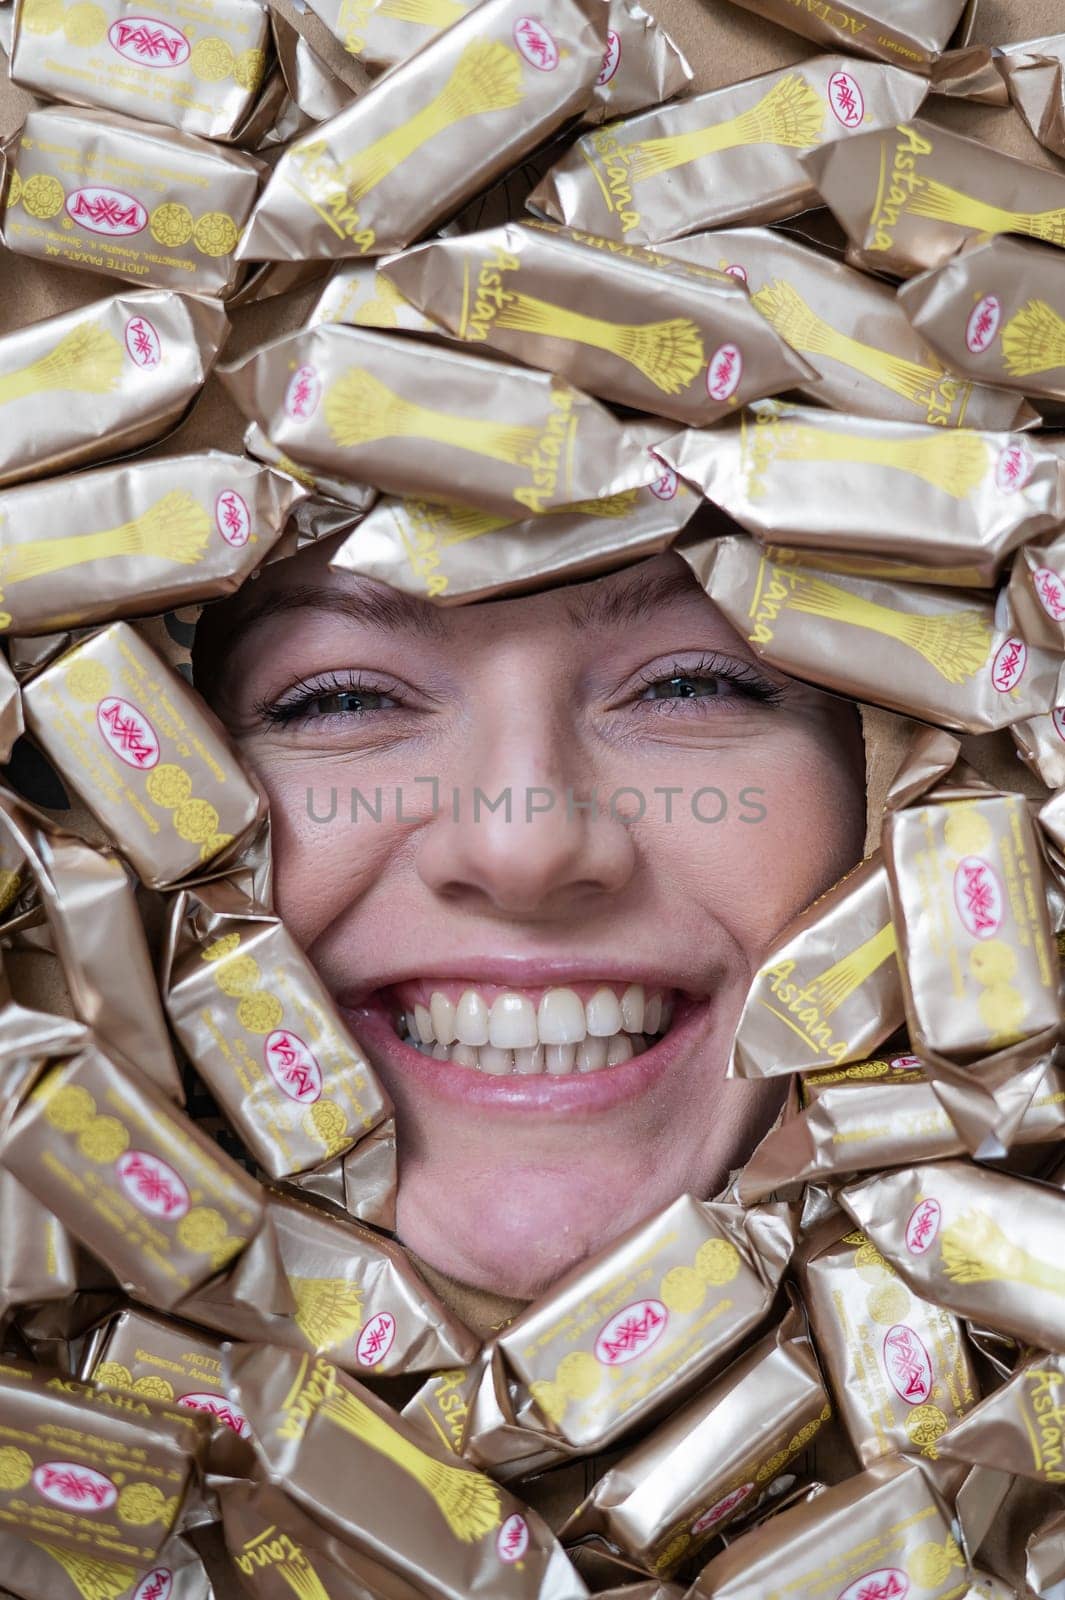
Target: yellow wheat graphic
176,528
465,523
804,330
975,1250
668,354
837,983
612,505
954,461
429,13
1034,340
88,360
359,408
92,1578
328,1310
792,114
955,643
468,1500
944,204
302,1580
487,77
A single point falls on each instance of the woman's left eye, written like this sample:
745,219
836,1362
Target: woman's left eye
315,702
726,680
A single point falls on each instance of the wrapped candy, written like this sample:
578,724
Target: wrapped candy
45,1572
1018,1429
911,35
38,1257
1034,71
277,1551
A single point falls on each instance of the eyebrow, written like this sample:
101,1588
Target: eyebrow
596,605
373,607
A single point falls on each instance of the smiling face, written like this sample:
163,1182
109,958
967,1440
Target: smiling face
548,995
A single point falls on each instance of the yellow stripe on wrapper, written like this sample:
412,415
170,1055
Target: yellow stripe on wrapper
359,408
955,643
92,1578
945,204
837,983
1034,340
955,462
975,1250
426,13
302,1580
791,114
88,360
176,528
669,354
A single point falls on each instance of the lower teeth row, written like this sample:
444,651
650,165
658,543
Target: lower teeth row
553,1060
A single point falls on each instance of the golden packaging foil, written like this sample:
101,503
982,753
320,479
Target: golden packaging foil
666,1499
143,752
143,536
140,1354
883,1532
979,1243
1045,1558
91,1472
727,156
102,379
899,1369
277,1552
38,1257
931,653
906,499
131,1177
399,159
128,199
202,81
829,989
912,34
1037,592
1041,746
437,1524
348,402
628,325
356,497
996,312
908,196
41,1571
642,66
851,329
1020,1428
359,294
1034,71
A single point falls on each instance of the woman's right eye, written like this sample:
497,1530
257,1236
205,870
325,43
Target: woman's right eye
317,701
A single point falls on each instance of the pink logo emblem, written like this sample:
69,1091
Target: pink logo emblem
1014,467
904,1063
611,60
149,42
631,1332
143,342
665,487
737,271
154,1188
512,1540
846,99
129,733
978,897
724,372
923,1226
292,1066
217,1406
908,1365
76,1488
106,211
303,394
376,1340
155,1585
232,517
536,44
722,1509
1050,592
982,326
886,1583
1058,719
1007,669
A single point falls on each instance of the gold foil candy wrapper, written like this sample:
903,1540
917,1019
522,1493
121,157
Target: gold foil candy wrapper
996,312
276,1551
102,379
414,420
979,1243
642,66
1041,746
1035,77
145,755
357,497
906,500
908,196
1045,1558
87,1472
38,1257
128,199
145,536
399,159
728,156
1020,1428
851,329
433,1522
42,1571
883,1531
360,295
131,1177
931,653
383,33
1037,592
627,325
899,1369
908,35
202,81
711,1459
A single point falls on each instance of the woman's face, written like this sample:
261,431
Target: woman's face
572,966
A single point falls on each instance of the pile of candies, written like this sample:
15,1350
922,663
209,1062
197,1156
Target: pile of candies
565,300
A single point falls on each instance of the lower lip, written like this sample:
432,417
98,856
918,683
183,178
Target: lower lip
574,1094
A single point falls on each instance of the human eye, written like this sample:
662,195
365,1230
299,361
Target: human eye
333,698
712,680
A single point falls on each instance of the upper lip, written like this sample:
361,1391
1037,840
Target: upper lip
529,973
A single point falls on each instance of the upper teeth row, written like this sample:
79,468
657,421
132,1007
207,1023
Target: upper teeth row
513,1022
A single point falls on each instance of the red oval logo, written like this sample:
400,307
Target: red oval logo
232,517
846,99
106,211
923,1226
885,1583
149,42
982,326
536,44
736,271
1014,467
722,1509
905,1063
77,1488
1058,719
218,1407
908,1365
1050,592
155,1585
303,394
611,59
666,486
293,1066
376,1339
978,897
724,372
143,343
631,1332
128,732
512,1540
1007,669
153,1186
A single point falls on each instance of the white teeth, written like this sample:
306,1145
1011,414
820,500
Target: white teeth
652,1014
619,1050
529,1061
591,1054
561,1017
463,1055
471,1018
632,1008
512,1023
495,1061
424,1023
442,1013
441,1052
604,1014
559,1059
